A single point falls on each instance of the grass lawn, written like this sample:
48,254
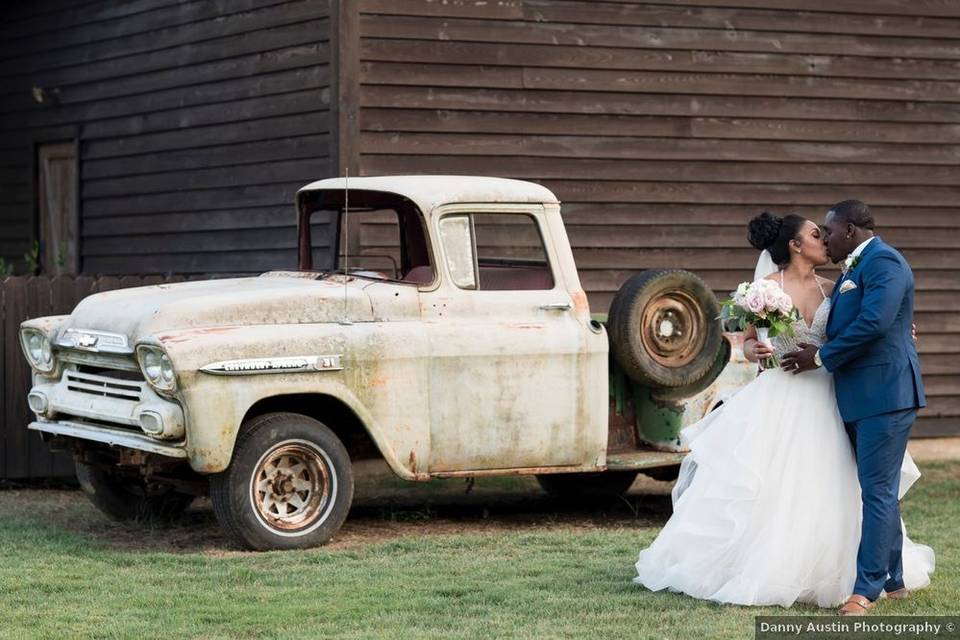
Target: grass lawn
413,562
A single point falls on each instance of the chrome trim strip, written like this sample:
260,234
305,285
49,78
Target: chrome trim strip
104,360
285,364
113,437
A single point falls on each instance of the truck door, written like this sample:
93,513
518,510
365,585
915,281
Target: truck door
506,373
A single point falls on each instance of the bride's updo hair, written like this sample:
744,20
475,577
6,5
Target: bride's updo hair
773,233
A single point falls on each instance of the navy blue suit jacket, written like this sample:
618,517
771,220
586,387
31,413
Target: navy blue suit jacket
870,348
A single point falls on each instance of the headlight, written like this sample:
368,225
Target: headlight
37,349
156,367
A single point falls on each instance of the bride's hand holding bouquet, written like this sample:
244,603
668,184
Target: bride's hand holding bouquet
764,306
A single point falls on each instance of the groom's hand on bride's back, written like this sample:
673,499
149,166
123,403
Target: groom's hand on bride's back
800,360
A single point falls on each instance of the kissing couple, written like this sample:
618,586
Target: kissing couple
790,492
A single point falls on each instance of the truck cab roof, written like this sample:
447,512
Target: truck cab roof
429,192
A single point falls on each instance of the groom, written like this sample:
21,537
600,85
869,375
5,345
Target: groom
876,371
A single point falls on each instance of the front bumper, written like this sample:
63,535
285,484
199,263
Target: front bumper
107,435
110,409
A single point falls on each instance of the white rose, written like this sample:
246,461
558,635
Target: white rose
741,293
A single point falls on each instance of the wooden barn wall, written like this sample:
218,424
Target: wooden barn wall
664,126
196,123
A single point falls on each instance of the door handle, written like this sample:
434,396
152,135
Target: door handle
557,306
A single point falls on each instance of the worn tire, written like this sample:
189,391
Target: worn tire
288,486
663,328
674,394
123,498
587,487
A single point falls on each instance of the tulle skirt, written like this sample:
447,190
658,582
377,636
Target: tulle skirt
767,505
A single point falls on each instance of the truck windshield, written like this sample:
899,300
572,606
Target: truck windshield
380,237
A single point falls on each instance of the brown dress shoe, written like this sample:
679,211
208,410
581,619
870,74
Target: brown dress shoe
856,605
899,594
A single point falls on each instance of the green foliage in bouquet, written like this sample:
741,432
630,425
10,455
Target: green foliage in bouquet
736,318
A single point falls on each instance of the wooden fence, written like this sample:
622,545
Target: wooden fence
23,455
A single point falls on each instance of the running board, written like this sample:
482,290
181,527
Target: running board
633,460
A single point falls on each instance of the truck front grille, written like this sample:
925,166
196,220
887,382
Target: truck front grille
118,384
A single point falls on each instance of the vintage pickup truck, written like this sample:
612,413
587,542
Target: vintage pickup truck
436,322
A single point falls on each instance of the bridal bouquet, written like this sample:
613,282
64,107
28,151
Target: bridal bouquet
764,305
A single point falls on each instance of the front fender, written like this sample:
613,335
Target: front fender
215,410
380,384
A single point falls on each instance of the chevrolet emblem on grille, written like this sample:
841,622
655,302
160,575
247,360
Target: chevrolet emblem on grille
86,340
92,340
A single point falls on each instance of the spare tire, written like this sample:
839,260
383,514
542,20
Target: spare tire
663,328
675,394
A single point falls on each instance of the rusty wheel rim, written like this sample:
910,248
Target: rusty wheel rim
672,328
292,487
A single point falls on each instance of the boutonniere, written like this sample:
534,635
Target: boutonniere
851,263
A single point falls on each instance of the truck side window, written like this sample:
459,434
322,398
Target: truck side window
457,239
510,253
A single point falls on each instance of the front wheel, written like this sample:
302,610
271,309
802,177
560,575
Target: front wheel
289,485
586,487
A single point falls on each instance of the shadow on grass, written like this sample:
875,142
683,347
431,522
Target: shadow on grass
387,509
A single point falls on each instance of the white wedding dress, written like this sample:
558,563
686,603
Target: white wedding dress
766,509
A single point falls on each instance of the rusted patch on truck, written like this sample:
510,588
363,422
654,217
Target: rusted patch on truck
190,334
579,298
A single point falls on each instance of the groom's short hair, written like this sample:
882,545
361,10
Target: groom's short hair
855,212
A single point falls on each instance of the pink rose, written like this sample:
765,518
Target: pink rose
785,304
755,301
772,297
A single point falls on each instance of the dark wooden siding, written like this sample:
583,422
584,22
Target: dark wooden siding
23,454
196,120
664,126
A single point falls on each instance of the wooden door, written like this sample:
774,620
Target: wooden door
57,208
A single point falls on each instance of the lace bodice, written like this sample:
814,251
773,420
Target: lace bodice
816,333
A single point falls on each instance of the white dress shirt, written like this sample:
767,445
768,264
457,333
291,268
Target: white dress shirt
860,247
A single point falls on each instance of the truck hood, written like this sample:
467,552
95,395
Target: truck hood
268,299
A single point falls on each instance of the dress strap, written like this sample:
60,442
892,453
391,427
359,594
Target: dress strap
820,286
781,278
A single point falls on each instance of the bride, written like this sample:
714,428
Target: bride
766,509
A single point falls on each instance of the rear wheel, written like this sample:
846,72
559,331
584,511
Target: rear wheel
583,487
127,497
289,485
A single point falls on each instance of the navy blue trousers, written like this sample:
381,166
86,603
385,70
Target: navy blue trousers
880,443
